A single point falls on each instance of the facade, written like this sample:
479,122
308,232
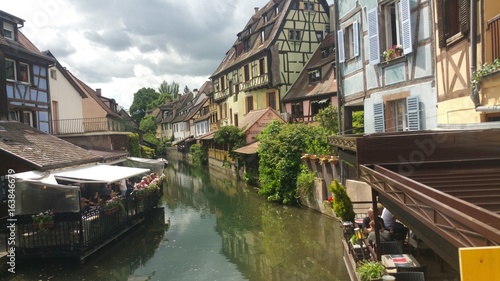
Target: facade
463,47
66,98
316,86
397,91
24,85
265,60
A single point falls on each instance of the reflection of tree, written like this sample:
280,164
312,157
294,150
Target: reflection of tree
116,261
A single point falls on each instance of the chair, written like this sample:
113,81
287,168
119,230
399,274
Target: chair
422,269
391,248
409,276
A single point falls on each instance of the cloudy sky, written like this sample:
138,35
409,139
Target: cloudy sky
121,46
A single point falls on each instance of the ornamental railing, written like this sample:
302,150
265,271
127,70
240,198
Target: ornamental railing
91,125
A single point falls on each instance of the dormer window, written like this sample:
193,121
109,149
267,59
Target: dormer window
8,30
314,75
246,45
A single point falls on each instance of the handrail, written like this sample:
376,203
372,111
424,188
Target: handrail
90,125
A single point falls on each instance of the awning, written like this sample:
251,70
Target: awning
149,161
182,140
99,174
320,101
42,179
207,136
249,149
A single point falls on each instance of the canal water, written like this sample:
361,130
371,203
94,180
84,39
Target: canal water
211,227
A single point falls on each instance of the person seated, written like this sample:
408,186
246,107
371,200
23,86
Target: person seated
384,234
84,205
367,227
398,230
105,192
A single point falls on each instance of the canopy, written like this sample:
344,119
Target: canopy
249,149
99,173
149,161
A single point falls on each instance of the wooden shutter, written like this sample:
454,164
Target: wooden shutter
464,15
413,116
406,26
373,36
440,23
378,117
355,38
340,45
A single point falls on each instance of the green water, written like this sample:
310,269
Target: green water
217,229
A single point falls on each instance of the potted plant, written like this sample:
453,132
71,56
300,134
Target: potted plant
43,221
342,205
113,205
392,53
369,271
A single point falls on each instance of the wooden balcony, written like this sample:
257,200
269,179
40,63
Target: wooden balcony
347,142
254,83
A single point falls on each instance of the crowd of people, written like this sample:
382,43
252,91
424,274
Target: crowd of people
93,196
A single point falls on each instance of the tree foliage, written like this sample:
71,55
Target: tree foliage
143,101
358,122
328,119
232,137
342,205
281,146
186,90
134,146
199,153
167,91
148,124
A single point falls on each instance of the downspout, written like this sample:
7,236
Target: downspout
474,92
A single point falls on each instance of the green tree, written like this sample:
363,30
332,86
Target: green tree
186,90
328,119
281,146
358,122
148,124
232,137
143,101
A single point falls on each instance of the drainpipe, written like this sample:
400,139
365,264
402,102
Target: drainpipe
474,92
4,103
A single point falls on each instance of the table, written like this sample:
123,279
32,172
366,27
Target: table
405,260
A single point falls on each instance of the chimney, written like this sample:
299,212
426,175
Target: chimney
256,9
98,92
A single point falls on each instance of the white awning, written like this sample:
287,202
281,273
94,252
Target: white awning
42,179
99,174
149,161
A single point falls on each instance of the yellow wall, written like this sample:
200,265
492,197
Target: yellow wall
457,111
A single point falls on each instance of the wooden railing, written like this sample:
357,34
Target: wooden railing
344,141
494,29
91,125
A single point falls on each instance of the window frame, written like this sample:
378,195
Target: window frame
14,70
462,22
12,30
348,42
294,35
27,74
249,103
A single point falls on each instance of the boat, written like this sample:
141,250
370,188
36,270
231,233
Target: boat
75,230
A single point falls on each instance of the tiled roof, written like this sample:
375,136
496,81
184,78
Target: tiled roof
39,150
327,85
23,47
254,116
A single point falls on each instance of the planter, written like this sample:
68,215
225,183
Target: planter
45,225
111,211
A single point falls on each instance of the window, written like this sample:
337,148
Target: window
262,36
24,72
297,110
246,45
249,103
8,30
53,74
309,6
396,29
262,68
271,100
314,75
293,35
401,115
453,20
28,118
319,36
222,83
348,39
246,72
265,18
10,69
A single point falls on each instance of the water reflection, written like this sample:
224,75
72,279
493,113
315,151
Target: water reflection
219,229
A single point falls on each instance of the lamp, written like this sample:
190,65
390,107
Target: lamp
359,235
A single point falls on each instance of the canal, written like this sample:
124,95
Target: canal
211,227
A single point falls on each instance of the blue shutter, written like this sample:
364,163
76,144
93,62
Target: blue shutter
413,109
373,36
340,45
355,38
406,26
378,117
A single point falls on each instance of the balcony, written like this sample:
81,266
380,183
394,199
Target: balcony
254,83
221,95
91,125
347,142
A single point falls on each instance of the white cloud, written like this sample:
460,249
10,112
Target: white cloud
121,46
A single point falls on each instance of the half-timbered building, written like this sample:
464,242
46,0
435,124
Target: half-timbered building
267,57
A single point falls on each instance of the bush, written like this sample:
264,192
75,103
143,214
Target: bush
147,152
342,205
199,153
305,182
134,146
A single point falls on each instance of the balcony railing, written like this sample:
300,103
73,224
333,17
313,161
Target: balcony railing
494,29
91,125
344,141
255,82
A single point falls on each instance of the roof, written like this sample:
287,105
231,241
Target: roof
249,149
40,150
24,48
206,88
253,116
183,140
253,29
66,75
207,136
91,93
327,85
